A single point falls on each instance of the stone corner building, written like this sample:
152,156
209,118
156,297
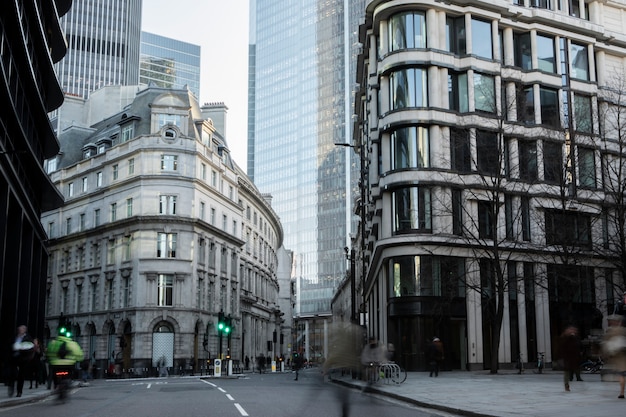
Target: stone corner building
495,136
160,232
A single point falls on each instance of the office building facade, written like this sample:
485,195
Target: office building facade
31,40
493,176
300,106
169,63
103,39
161,232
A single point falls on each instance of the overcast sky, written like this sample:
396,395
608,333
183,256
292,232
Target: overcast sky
221,29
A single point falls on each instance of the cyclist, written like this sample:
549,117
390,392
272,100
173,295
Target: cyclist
62,354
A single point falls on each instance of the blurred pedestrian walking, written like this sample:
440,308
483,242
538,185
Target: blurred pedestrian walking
614,349
570,352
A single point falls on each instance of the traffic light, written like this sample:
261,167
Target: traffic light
227,325
221,322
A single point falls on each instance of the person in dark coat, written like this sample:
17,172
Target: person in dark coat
435,356
571,355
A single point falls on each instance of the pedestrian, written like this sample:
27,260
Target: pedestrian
570,350
247,363
35,364
614,349
20,362
343,354
435,356
372,355
298,362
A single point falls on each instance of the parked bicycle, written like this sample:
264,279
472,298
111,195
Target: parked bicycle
591,367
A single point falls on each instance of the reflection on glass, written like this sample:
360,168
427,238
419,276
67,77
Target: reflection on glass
410,148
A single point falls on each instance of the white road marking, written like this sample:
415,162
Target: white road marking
221,389
230,397
149,385
209,383
241,410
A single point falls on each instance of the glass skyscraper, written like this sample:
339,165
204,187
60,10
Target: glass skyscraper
169,63
103,45
300,105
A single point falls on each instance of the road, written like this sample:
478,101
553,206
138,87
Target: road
255,395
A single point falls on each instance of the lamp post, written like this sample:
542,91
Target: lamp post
352,253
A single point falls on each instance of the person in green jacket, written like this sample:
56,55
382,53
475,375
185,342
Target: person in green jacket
62,354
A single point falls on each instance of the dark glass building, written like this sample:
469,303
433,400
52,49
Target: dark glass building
31,41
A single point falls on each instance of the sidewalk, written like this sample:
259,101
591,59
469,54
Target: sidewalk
504,394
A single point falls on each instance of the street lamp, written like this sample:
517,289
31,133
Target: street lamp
350,254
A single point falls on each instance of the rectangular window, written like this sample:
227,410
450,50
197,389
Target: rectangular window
166,245
457,211
110,251
549,107
113,212
127,133
214,178
202,210
116,171
577,232
224,222
528,160
212,219
546,55
82,222
525,202
482,43
455,35
235,227
586,167
407,31
460,150
68,225
131,166
203,171
486,220
129,207
126,292
96,217
579,61
165,290
99,179
509,216
169,162
167,204
484,93
70,189
410,148
552,162
458,98
51,230
85,183
412,209
522,50
487,152
525,104
582,113
128,240
408,88
109,294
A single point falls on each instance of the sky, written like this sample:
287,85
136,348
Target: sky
221,30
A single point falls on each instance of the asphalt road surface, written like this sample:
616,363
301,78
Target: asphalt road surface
255,395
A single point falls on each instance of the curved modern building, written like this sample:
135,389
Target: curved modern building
31,42
494,146
161,232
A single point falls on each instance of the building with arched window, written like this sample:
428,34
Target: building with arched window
492,138
161,232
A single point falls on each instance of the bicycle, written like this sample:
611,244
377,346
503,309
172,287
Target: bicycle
540,363
591,366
